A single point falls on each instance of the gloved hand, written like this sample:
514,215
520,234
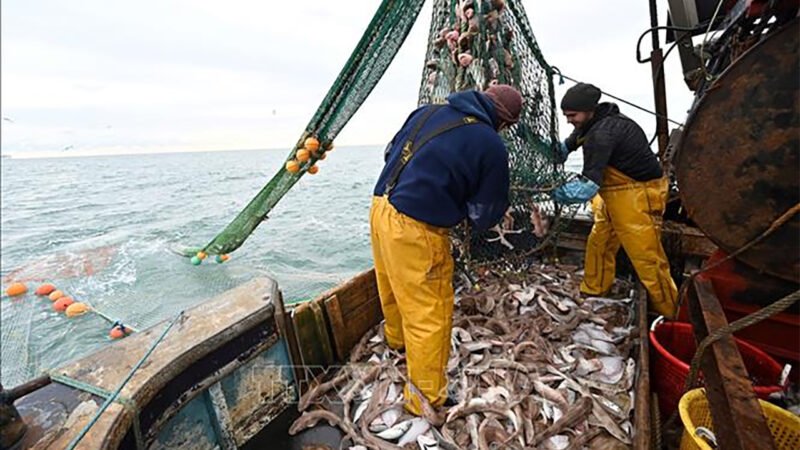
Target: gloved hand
576,191
562,152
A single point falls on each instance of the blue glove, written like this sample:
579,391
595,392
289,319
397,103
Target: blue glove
562,152
576,191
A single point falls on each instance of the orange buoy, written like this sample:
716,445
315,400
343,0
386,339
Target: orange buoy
202,255
311,144
55,295
119,331
303,155
77,309
292,166
313,169
15,289
62,304
45,289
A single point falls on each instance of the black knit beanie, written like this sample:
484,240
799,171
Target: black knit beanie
581,97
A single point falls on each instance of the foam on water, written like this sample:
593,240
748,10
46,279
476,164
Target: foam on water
57,210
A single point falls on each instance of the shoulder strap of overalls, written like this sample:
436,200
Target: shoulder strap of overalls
412,144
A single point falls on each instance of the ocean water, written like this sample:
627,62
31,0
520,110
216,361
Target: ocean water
100,229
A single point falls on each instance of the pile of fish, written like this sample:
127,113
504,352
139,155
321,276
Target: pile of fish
532,365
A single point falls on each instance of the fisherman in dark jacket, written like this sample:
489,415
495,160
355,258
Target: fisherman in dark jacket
447,163
624,180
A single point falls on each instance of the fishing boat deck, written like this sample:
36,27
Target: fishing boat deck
322,349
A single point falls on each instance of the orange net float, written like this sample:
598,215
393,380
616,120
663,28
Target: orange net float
63,303
77,309
55,295
303,155
119,331
292,166
15,289
45,289
311,144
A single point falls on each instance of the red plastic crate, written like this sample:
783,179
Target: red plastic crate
674,345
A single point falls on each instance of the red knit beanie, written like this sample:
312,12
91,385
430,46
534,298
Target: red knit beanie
507,102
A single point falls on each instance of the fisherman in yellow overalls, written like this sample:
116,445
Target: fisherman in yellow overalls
447,163
624,180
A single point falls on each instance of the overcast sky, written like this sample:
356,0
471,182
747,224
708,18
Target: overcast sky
122,77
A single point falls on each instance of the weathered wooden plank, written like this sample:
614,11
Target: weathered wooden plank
285,326
341,335
352,308
313,339
201,332
355,291
739,423
218,409
360,320
691,241
642,420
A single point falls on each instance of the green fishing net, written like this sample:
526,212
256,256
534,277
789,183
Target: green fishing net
472,44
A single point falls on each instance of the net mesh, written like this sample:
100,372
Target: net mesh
472,44
375,51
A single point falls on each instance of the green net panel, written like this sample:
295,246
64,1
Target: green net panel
365,67
472,45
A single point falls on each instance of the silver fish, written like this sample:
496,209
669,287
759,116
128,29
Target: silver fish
418,427
396,432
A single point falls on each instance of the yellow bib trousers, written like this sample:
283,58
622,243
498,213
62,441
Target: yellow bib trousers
629,213
414,271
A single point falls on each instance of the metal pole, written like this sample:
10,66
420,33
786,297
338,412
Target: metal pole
659,88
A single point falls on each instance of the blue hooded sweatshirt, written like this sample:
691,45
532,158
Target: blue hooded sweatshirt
460,173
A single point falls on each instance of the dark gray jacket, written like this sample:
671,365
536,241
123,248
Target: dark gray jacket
612,139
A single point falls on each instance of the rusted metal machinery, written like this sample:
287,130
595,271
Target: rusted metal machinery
736,167
737,164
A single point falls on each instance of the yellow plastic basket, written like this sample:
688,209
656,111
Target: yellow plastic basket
693,407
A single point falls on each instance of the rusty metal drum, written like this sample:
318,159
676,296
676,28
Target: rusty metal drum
738,163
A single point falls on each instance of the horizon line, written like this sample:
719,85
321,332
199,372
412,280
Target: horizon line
78,154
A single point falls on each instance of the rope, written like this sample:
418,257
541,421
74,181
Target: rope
113,396
777,223
655,421
128,403
557,71
744,322
707,75
111,320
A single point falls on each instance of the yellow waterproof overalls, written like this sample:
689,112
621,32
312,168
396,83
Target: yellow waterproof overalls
629,212
414,271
